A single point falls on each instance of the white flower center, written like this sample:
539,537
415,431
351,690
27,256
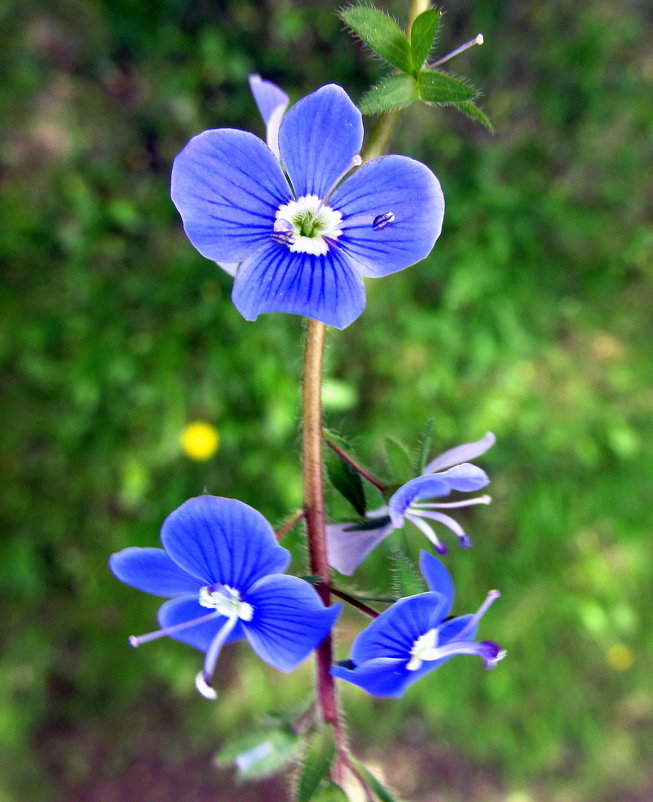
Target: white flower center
305,223
424,649
226,601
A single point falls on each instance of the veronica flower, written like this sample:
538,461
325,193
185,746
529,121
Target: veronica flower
223,567
348,544
412,637
303,236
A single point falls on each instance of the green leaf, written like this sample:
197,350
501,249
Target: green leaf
391,93
406,578
330,793
367,524
261,754
381,33
315,764
423,34
441,87
376,785
471,110
346,481
424,448
399,460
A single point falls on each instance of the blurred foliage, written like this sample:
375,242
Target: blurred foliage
531,318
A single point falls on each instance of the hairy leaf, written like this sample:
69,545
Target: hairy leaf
399,460
381,33
441,87
382,793
424,448
406,578
391,93
423,34
315,765
261,754
346,481
471,110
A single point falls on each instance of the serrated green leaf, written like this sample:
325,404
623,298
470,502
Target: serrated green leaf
424,448
316,763
261,754
406,578
399,460
441,87
471,110
422,35
346,481
376,785
391,93
330,793
381,33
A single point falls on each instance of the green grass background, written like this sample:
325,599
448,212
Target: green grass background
531,318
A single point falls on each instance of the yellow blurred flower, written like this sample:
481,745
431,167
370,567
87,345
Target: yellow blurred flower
200,440
620,657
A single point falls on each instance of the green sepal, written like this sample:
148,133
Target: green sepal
367,524
381,33
261,754
394,92
375,785
406,578
316,763
422,36
424,448
399,461
471,110
347,481
440,87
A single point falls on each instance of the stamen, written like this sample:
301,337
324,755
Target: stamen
465,503
451,523
382,220
204,688
355,162
477,40
137,640
489,601
283,237
428,531
212,654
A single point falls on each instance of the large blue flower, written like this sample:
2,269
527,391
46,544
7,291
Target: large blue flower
303,237
223,566
413,637
348,544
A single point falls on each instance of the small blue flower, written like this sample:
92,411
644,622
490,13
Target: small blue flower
349,544
413,637
304,238
223,566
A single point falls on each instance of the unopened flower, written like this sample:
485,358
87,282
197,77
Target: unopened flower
223,567
414,636
303,236
349,543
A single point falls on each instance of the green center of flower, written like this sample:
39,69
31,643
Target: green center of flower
306,224
226,601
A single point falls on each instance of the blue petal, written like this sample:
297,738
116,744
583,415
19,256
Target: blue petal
381,677
275,279
268,96
178,611
437,578
464,453
391,184
395,631
450,630
319,138
271,102
465,477
227,186
289,620
420,487
347,547
153,571
221,540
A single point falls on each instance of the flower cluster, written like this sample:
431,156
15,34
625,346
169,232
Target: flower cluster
280,217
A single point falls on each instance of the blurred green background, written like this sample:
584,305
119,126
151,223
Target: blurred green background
531,318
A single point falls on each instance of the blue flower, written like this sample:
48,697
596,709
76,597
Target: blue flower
349,543
223,566
304,238
413,637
